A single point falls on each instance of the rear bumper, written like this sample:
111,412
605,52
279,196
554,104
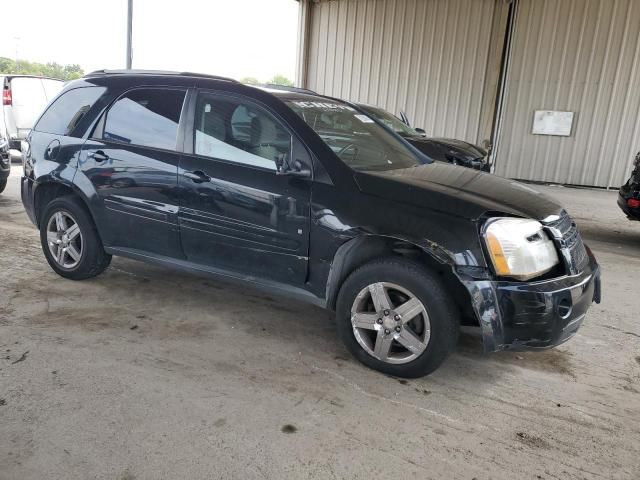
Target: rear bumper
26,193
632,213
535,315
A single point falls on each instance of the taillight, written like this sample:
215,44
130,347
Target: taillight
633,203
6,96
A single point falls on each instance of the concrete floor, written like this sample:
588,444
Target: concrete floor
145,373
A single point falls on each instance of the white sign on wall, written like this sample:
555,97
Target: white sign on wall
552,122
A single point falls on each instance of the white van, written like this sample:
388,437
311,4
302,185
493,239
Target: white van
24,97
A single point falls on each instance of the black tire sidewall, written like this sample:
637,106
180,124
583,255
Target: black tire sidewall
443,314
92,249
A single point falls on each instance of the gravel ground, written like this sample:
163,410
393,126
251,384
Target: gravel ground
145,373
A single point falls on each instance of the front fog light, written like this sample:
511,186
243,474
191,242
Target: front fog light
519,248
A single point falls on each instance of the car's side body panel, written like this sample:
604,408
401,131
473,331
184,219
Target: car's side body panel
137,190
235,215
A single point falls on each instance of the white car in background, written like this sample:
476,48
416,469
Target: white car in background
24,97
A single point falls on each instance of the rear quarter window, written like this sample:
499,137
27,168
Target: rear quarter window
66,111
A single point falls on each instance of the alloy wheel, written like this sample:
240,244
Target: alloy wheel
390,323
64,239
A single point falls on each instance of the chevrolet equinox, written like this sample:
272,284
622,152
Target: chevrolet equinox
308,196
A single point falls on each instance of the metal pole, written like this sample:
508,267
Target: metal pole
17,39
129,28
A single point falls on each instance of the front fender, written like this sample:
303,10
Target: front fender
365,247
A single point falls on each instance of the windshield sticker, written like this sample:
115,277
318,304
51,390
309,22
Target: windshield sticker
364,118
325,105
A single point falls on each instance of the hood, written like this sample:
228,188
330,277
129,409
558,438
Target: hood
451,144
460,145
459,191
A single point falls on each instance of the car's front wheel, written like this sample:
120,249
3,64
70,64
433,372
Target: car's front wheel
395,316
70,241
3,185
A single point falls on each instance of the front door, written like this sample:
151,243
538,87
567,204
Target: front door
236,213
132,162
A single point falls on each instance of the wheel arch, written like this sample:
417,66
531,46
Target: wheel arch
364,248
50,188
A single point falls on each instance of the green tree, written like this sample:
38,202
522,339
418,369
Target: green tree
250,80
51,69
281,80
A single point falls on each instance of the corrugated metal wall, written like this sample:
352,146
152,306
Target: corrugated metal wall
581,56
427,57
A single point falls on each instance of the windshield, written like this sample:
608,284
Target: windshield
354,137
391,121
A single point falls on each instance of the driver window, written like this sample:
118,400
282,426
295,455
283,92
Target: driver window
231,129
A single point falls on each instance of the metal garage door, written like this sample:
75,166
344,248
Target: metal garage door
581,56
427,57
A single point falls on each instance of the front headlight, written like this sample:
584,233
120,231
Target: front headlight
519,248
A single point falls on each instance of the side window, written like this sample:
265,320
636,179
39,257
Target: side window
146,117
231,129
64,114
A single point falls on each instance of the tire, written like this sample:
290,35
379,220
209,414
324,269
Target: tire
89,258
402,279
3,185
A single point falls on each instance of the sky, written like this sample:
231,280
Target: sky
235,38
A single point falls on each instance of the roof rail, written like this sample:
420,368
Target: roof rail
157,72
286,88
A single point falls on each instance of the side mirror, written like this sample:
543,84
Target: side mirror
284,167
421,131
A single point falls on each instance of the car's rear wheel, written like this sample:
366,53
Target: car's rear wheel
3,185
70,241
394,315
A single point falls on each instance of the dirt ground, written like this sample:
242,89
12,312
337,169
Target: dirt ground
145,373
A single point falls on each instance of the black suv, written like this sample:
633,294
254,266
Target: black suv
307,196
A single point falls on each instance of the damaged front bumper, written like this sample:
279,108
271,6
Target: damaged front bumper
534,315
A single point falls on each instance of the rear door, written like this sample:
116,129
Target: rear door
132,162
236,213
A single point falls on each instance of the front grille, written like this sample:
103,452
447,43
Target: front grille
566,233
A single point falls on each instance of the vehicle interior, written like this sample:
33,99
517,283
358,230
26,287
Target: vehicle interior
229,130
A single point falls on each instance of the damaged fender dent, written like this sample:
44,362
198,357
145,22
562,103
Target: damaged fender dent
437,251
365,247
515,315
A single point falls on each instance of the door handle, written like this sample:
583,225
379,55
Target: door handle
99,156
198,176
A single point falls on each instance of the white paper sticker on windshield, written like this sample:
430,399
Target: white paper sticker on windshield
324,106
363,118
